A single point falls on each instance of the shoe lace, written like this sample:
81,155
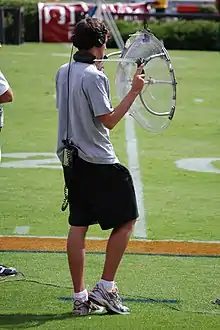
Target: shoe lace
115,292
115,288
93,307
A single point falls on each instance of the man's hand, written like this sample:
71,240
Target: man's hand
138,80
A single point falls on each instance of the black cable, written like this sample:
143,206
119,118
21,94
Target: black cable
12,278
66,141
46,284
178,309
68,92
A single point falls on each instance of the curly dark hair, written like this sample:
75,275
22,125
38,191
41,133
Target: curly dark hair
88,33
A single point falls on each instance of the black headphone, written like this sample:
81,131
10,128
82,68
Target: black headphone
100,38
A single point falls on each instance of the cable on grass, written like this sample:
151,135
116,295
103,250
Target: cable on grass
7,279
20,277
179,309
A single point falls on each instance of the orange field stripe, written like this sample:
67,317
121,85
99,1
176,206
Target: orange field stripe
145,247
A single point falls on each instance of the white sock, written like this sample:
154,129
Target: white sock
82,295
108,285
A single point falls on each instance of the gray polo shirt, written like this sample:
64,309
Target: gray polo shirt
89,97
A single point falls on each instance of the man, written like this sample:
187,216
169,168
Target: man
6,95
100,189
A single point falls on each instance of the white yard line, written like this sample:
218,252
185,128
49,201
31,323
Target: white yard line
22,230
179,58
36,54
23,54
199,100
61,54
140,230
105,238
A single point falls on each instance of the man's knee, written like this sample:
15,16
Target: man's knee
127,226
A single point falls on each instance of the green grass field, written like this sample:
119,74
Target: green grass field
180,204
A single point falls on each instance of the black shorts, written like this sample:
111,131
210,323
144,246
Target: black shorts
100,194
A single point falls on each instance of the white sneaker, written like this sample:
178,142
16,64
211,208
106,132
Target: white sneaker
110,300
85,308
8,271
216,301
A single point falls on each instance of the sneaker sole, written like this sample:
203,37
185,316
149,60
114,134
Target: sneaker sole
79,314
98,311
105,303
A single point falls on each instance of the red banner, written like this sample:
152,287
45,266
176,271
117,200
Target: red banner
56,20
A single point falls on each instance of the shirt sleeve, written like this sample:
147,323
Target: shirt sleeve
97,92
4,85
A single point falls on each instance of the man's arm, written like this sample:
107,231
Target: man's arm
112,119
97,92
6,94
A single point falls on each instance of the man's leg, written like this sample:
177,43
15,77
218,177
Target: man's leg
115,207
105,292
116,247
76,259
76,256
